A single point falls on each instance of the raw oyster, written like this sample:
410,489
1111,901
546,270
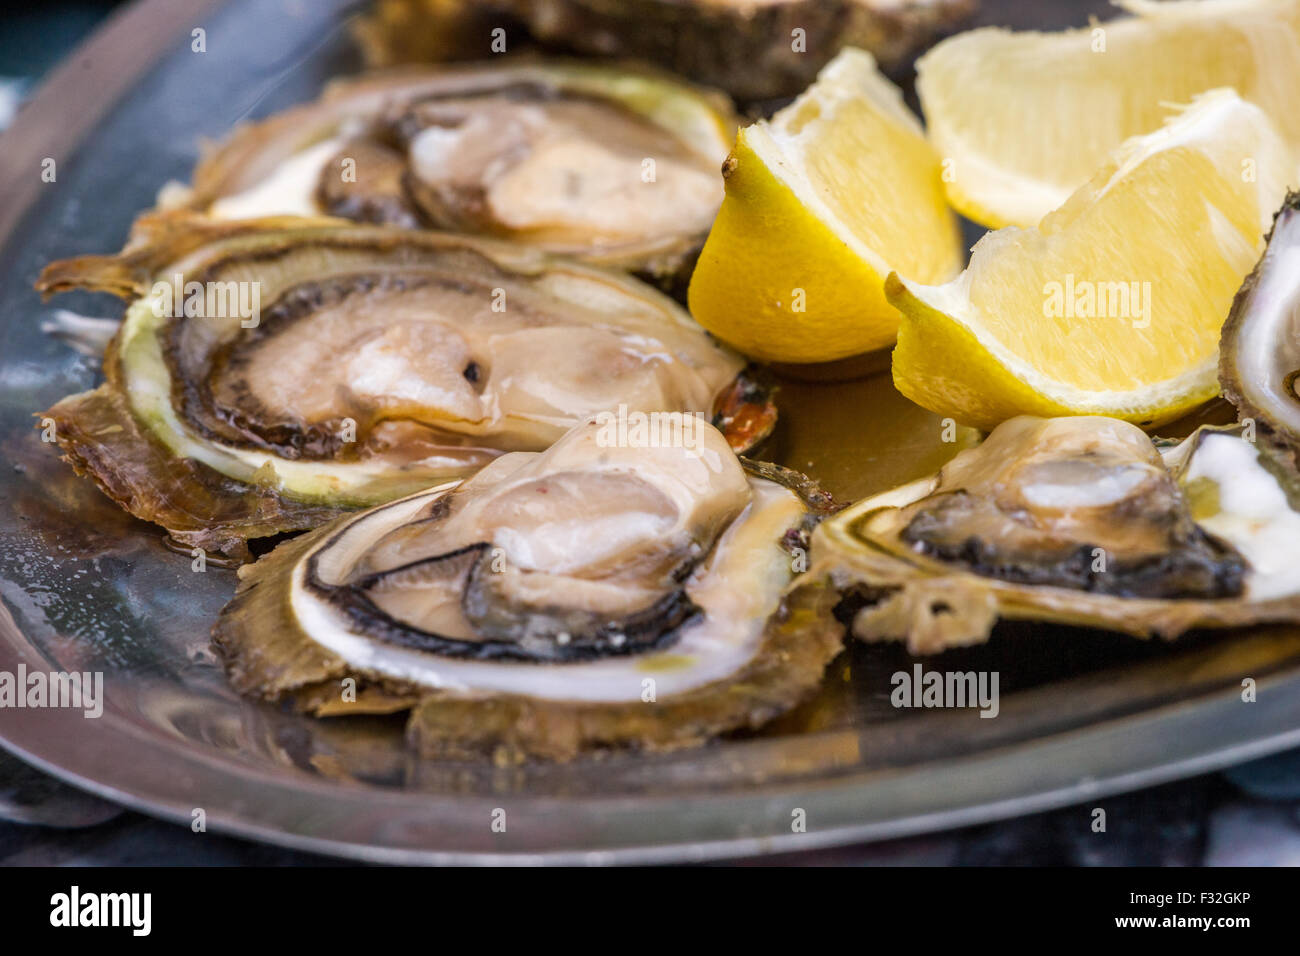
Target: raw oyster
754,50
379,362
1073,520
596,595
615,166
1259,352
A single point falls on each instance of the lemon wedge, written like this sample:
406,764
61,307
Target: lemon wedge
839,189
1113,304
1023,119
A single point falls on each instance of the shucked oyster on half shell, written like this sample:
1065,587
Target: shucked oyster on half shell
616,166
269,374
1073,520
596,595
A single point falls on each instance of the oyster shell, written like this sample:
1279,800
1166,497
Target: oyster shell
747,48
1073,520
616,166
1259,351
392,32
596,595
380,362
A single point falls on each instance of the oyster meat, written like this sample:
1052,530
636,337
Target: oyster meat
378,362
596,595
613,166
1074,520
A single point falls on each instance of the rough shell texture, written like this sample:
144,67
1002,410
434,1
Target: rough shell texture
744,48
199,507
797,646
102,438
267,655
703,118
893,592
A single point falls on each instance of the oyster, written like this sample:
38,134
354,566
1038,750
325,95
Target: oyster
596,595
391,32
1073,520
614,166
1259,352
749,48
378,362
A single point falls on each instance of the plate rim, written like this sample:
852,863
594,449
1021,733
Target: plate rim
1215,732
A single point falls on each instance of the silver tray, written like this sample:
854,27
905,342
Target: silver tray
83,587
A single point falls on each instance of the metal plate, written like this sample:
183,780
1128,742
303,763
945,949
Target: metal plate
84,587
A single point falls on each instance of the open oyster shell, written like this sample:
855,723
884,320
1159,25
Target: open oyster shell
614,165
1259,352
377,362
1074,520
596,595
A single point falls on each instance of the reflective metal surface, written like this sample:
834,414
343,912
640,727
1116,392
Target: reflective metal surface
83,587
